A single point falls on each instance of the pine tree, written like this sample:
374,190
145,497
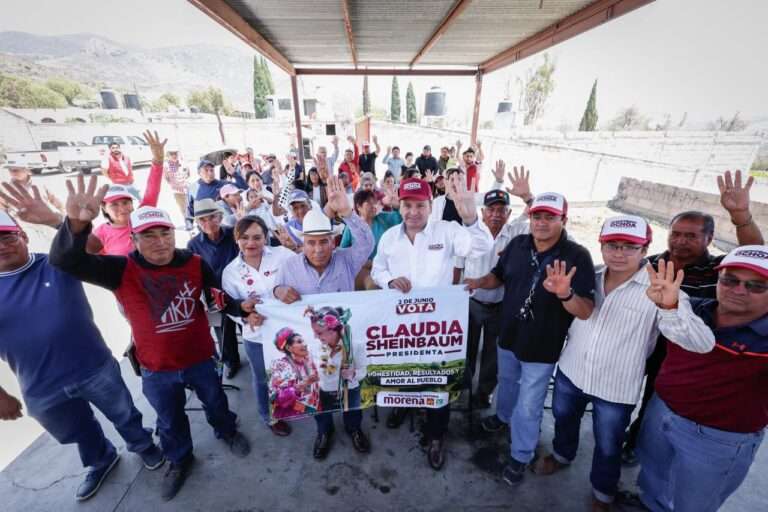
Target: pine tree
410,105
260,89
267,76
589,119
366,97
394,104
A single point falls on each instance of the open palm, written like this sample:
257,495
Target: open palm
84,204
558,281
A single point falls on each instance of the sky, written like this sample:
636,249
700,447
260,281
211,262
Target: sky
670,57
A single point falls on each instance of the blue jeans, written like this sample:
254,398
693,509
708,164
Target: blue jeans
165,392
520,401
255,352
609,423
687,467
353,418
73,421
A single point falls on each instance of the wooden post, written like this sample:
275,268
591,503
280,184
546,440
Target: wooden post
476,112
297,118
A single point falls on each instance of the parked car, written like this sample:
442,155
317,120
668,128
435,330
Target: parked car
81,158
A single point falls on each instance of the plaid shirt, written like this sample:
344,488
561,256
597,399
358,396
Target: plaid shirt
177,176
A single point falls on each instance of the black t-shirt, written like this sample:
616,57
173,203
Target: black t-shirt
424,163
540,338
367,163
450,212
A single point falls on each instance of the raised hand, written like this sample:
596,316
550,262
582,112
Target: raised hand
285,239
520,183
733,196
664,290
54,201
463,197
157,147
557,280
351,139
335,140
375,139
84,204
29,208
499,171
338,202
429,176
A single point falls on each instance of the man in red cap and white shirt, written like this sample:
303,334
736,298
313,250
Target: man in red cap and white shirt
705,423
604,358
420,253
159,288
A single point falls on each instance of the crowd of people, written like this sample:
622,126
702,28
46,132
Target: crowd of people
681,336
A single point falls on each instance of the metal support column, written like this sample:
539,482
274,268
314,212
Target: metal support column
297,118
476,111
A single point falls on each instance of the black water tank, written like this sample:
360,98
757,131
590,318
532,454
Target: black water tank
132,101
505,106
434,102
109,100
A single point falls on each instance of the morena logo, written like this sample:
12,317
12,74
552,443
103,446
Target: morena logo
623,224
547,197
414,185
752,253
151,215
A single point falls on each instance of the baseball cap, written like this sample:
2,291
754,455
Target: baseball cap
205,207
367,177
228,189
298,196
551,202
415,188
428,147
203,163
7,223
116,192
15,167
495,196
629,228
750,257
366,143
146,217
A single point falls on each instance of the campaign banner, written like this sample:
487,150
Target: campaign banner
353,350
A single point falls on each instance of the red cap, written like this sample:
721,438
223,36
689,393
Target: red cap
415,188
7,223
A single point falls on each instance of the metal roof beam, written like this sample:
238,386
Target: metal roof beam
386,72
591,16
228,18
348,30
450,18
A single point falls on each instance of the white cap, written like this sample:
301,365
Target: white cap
116,192
629,228
750,257
551,202
147,217
7,224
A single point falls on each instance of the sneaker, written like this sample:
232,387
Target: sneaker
152,458
492,424
547,465
513,472
360,441
396,417
238,445
175,477
322,445
94,479
281,428
628,457
436,454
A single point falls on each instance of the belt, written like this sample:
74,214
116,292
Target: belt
487,304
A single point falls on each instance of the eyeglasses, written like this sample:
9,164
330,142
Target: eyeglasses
628,249
751,286
10,238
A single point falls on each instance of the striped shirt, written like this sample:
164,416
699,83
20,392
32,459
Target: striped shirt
605,355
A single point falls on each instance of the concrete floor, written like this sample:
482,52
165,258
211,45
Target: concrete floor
281,475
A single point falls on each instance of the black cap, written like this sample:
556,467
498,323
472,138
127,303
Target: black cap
428,147
495,196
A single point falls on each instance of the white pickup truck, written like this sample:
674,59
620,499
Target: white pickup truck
47,158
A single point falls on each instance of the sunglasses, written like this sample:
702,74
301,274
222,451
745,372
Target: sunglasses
756,287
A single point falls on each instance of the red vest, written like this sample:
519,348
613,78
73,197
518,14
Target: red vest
163,306
115,171
472,176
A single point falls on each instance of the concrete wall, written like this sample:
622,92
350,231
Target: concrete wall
661,202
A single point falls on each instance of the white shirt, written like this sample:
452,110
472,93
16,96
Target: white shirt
605,354
438,204
482,265
242,281
329,368
428,261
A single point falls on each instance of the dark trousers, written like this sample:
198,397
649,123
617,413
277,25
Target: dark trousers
73,421
353,418
165,391
437,422
227,337
485,318
652,368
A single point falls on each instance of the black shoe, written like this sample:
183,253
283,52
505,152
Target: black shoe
152,458
493,424
280,428
94,479
232,370
360,441
513,472
175,477
630,499
436,454
238,445
481,402
322,445
396,417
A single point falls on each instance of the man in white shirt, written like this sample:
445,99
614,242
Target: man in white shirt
419,253
604,358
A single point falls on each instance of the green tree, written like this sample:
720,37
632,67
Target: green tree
164,102
538,86
211,101
69,89
366,97
394,103
267,76
589,119
260,89
23,93
629,119
410,105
